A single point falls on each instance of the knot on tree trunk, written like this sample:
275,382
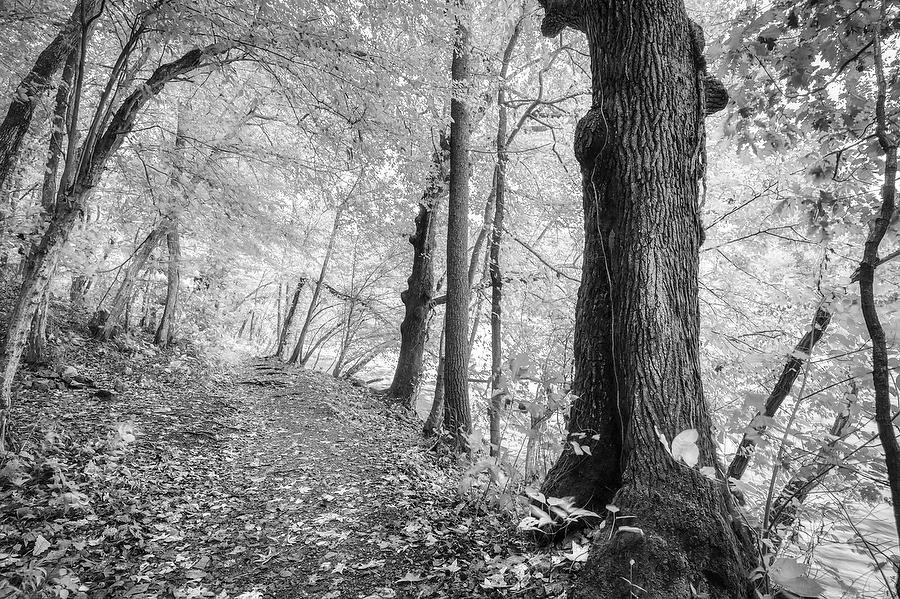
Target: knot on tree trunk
559,14
716,95
591,136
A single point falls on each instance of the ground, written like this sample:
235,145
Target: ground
169,475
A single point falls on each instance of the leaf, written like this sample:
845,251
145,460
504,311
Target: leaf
684,447
662,439
631,529
40,545
578,553
410,577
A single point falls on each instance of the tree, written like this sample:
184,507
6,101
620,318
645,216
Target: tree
457,418
418,296
21,110
637,370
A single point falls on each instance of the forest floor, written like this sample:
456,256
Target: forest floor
167,475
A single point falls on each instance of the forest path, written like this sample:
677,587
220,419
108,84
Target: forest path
246,482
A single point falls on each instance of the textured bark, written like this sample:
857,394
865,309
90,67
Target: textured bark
789,375
419,293
165,330
881,380
457,417
75,189
640,148
36,351
21,110
78,290
289,318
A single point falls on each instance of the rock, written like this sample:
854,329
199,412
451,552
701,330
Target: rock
85,381
105,393
68,373
41,385
129,370
119,386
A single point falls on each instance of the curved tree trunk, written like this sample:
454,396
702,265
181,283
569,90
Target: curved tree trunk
640,148
36,351
75,189
18,117
457,418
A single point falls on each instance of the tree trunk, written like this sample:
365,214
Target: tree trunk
496,239
881,378
317,290
108,328
417,298
75,189
165,330
18,117
289,318
78,290
435,418
457,418
36,352
789,375
637,321
807,478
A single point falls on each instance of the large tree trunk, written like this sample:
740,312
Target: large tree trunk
637,322
289,318
789,375
457,417
417,298
165,330
18,117
75,189
107,328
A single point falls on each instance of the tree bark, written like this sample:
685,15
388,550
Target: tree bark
880,368
637,321
496,241
297,354
75,189
165,330
435,418
789,375
457,417
36,351
419,293
289,318
21,110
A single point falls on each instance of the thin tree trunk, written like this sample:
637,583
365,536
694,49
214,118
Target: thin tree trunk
807,478
165,330
496,239
289,318
457,417
418,296
789,375
317,290
21,110
637,320
435,418
75,189
107,328
880,368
